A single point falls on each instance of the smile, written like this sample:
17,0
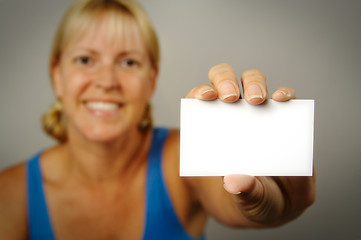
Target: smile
103,106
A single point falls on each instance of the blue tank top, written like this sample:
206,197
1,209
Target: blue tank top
161,221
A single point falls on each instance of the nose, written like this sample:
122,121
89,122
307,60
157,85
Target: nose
106,78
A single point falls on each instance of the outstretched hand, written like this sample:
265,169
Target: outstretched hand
261,198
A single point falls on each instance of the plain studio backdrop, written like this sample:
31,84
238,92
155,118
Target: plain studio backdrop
313,46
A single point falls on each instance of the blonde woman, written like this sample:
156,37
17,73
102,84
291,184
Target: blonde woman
114,176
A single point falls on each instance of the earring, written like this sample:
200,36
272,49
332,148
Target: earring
54,121
147,121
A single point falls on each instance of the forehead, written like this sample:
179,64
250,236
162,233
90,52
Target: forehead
108,29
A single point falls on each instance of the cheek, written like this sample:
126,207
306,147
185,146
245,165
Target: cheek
74,84
139,88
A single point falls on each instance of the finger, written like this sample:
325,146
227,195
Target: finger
284,94
254,86
224,79
238,183
203,92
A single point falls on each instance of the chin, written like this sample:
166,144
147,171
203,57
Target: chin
107,135
102,138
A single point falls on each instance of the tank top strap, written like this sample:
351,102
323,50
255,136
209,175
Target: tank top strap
161,221
38,217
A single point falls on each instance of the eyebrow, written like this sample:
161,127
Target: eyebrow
131,52
94,52
82,50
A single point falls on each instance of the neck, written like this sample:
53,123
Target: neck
94,162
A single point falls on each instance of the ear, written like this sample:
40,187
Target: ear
153,80
56,79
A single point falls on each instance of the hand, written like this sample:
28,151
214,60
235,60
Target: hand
260,199
225,87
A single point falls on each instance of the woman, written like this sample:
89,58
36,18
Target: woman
113,176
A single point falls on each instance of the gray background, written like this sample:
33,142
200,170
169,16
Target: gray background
312,46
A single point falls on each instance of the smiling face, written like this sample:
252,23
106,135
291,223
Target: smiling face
104,80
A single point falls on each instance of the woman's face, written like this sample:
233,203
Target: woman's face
105,81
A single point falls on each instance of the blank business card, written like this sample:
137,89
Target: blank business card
272,139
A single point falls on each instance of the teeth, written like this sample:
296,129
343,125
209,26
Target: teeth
102,106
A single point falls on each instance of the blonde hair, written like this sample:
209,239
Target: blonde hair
80,16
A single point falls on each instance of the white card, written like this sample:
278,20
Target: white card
272,139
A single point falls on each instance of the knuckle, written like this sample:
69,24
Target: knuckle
219,68
253,75
222,76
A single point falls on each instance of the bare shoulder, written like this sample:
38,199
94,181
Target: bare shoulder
171,153
172,143
13,203
12,181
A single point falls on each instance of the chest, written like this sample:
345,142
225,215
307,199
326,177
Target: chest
98,213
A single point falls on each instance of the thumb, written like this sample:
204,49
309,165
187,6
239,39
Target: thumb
259,198
238,183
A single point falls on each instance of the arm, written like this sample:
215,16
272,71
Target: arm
13,224
249,201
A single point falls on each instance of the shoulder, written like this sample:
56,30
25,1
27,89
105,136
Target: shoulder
13,202
12,186
171,153
12,180
172,142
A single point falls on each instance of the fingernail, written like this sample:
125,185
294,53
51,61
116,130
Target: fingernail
227,90
254,91
287,94
235,193
205,92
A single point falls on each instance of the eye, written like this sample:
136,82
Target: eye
83,60
129,63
